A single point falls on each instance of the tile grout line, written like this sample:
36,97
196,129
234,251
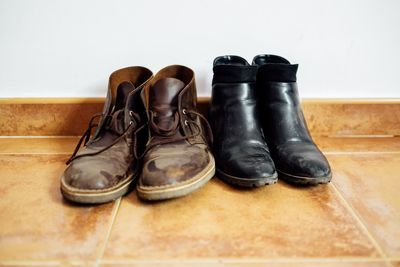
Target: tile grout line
206,260
25,263
246,261
338,153
361,223
108,234
34,153
332,153
39,136
29,263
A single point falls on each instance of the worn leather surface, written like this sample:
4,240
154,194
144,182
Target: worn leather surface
101,171
285,128
117,163
239,146
183,152
173,163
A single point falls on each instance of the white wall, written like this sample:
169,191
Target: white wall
54,48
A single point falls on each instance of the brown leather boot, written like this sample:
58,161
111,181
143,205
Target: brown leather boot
104,168
177,159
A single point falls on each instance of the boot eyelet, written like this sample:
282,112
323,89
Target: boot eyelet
186,123
184,111
131,122
131,113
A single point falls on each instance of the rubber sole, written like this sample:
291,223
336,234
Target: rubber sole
248,182
96,196
301,180
153,193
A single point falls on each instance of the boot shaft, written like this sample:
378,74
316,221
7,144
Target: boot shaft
127,82
280,105
234,107
297,158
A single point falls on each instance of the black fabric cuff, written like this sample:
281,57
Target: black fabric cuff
234,74
277,72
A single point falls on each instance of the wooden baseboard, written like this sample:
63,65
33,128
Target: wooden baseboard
325,117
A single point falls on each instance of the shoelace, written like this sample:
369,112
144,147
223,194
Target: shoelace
86,135
164,131
166,134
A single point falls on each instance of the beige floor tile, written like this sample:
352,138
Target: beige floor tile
371,184
38,145
358,144
36,223
219,221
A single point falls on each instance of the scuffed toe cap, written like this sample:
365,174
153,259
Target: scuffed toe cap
86,175
303,160
167,169
252,162
310,166
255,167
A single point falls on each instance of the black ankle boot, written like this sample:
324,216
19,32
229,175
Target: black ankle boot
296,157
240,151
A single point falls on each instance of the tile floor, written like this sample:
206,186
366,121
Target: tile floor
353,221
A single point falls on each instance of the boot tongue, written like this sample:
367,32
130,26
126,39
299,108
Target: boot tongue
123,91
165,92
163,97
117,121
